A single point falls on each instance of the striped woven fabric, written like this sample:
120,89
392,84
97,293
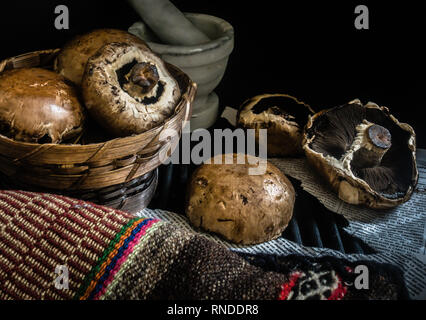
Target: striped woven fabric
53,247
108,253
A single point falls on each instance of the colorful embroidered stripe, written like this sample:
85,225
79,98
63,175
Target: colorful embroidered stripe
90,281
99,282
132,261
118,261
116,248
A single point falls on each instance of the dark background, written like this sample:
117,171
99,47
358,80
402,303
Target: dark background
307,49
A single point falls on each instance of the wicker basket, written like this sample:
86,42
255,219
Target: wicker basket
78,168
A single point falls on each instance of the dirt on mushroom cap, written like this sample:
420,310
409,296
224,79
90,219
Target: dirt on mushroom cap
247,209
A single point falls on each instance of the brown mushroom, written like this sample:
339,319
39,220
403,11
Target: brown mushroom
364,152
37,105
72,59
128,89
225,199
284,118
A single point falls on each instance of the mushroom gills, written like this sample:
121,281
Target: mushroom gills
358,141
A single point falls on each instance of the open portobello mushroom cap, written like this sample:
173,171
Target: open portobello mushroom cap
282,115
128,89
364,152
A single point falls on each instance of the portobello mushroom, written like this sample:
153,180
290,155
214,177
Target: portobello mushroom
224,198
282,115
366,155
128,89
39,106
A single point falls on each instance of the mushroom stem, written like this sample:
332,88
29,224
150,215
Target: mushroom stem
144,75
375,142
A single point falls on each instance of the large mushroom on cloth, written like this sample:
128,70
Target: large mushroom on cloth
39,106
364,152
71,60
226,199
282,115
128,89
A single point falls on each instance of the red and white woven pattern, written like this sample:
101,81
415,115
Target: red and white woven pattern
40,231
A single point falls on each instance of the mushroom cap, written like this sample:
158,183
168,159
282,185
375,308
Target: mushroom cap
282,115
114,108
37,105
330,143
243,208
71,60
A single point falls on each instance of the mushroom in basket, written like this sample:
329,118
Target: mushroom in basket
364,152
38,105
72,59
128,89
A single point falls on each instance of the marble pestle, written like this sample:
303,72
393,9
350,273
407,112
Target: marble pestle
168,23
